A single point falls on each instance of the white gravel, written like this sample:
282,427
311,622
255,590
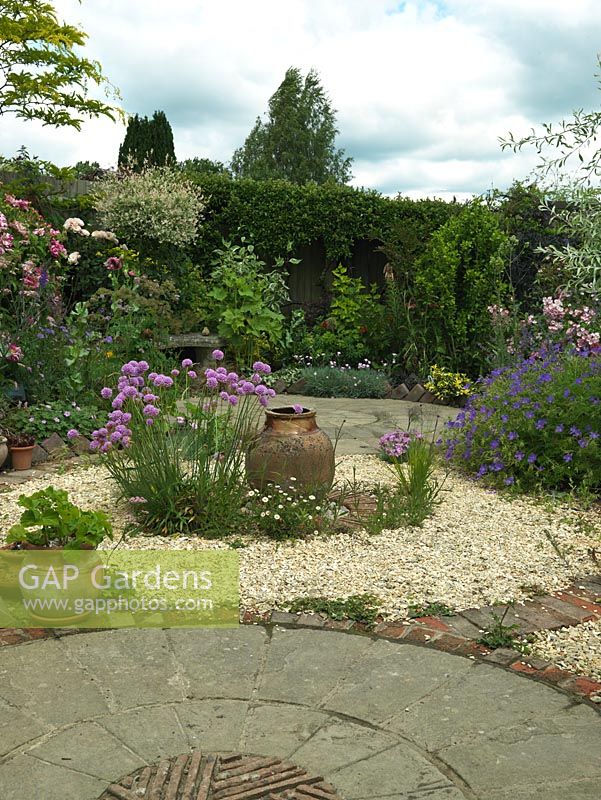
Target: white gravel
476,549
577,649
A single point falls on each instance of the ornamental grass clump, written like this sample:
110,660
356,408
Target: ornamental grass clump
179,463
535,425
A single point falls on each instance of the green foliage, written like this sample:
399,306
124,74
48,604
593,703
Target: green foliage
59,416
249,301
363,608
182,474
534,426
296,142
529,224
497,634
50,519
195,167
279,217
576,261
458,276
147,142
335,382
286,513
42,74
429,610
155,205
448,387
39,181
416,482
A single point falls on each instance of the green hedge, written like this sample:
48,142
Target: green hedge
279,217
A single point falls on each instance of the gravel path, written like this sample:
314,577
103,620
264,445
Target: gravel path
577,649
477,548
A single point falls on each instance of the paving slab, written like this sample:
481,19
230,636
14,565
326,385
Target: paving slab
398,771
218,663
377,719
24,777
213,724
495,699
47,684
389,678
153,733
293,673
90,749
276,729
148,671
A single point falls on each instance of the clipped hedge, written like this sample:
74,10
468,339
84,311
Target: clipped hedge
278,217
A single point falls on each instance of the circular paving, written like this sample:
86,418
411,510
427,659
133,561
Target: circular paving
211,776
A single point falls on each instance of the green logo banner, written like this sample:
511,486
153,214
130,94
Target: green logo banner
119,589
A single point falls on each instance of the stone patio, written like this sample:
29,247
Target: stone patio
371,718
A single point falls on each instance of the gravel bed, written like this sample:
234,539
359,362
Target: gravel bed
477,548
577,649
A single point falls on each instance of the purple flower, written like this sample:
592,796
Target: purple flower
150,411
149,421
72,433
297,408
187,363
212,383
512,436
175,372
540,424
519,455
224,396
191,373
567,457
263,400
509,481
559,428
106,393
233,400
260,367
532,458
218,355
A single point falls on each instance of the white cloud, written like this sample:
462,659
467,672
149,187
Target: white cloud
423,89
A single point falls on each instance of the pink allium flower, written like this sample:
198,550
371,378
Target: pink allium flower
218,355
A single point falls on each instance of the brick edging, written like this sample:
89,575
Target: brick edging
456,634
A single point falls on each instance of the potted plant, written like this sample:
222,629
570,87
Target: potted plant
20,445
51,522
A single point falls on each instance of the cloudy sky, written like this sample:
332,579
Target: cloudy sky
423,88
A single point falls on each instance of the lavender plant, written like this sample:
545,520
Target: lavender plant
180,465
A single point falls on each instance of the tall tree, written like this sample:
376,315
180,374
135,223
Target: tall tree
147,142
296,142
41,74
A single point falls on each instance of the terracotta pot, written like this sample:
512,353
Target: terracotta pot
291,446
21,457
3,450
52,616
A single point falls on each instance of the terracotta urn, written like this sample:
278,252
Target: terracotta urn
291,446
21,457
